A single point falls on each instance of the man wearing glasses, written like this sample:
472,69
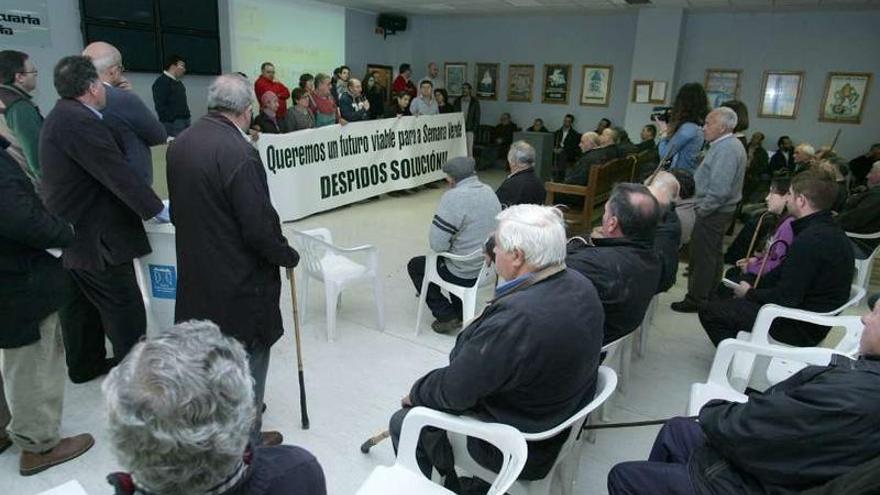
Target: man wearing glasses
169,97
20,119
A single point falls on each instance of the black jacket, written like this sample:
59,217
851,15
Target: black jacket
569,145
799,434
529,361
523,187
815,275
472,119
580,173
265,124
779,165
626,273
33,284
169,98
862,216
87,182
229,241
667,241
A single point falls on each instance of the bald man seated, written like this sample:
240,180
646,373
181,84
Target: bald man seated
126,115
667,237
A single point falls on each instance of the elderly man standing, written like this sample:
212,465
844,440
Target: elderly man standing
719,181
529,361
267,82
800,434
229,241
33,287
87,182
522,186
464,220
125,113
153,431
621,262
20,119
353,105
434,76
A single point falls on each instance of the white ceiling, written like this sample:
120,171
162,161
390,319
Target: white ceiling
506,7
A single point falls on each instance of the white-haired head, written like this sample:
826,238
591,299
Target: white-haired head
664,186
521,156
107,60
538,232
727,118
181,408
230,93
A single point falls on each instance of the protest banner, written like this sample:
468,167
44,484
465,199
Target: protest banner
319,169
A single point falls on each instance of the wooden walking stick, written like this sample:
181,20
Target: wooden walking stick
303,408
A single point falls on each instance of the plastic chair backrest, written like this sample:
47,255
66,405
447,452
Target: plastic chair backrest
506,438
313,245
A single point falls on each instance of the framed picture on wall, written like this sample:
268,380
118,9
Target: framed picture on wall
722,85
596,85
486,81
557,83
641,92
781,94
520,82
383,75
658,92
844,98
455,74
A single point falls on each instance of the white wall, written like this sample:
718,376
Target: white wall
363,46
814,42
568,39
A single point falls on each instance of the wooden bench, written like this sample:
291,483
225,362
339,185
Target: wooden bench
601,181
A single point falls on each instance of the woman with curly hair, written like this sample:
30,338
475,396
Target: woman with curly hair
682,135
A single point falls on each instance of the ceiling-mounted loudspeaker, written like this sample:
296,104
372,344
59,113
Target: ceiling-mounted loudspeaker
391,24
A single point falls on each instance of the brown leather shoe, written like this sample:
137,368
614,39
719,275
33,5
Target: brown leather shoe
271,438
67,449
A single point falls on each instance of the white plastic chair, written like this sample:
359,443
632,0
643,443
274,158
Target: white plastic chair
139,274
564,471
864,267
72,487
337,268
640,340
468,295
405,478
743,363
718,385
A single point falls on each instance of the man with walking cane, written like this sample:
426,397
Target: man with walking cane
229,240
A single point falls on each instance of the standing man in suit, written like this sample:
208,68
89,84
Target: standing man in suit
719,180
470,108
125,113
87,182
565,147
169,96
229,241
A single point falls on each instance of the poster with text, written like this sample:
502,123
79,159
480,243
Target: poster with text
24,23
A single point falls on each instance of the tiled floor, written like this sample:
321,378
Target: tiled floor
355,383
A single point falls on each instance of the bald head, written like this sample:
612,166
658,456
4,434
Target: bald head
665,187
107,60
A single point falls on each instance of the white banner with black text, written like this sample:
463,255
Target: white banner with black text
320,169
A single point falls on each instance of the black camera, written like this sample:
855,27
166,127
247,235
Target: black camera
661,114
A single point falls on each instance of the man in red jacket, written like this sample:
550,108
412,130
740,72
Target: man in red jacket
267,82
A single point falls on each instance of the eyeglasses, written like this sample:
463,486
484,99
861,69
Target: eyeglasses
27,72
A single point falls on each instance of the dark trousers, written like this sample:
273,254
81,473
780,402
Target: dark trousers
723,319
442,308
114,294
706,256
176,126
83,337
666,471
258,362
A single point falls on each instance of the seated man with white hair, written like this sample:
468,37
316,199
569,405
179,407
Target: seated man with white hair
667,237
522,186
180,409
529,361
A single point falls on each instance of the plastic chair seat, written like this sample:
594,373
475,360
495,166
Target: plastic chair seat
701,393
396,480
468,295
340,268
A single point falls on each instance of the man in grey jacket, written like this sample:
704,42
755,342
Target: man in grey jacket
464,220
719,181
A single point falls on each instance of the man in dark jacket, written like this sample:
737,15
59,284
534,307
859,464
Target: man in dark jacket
33,287
667,237
607,151
87,182
815,276
353,105
565,146
529,360
522,186
861,215
169,96
861,165
800,434
470,109
125,113
782,162
229,241
621,262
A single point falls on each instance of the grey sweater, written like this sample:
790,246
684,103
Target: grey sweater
719,179
464,220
